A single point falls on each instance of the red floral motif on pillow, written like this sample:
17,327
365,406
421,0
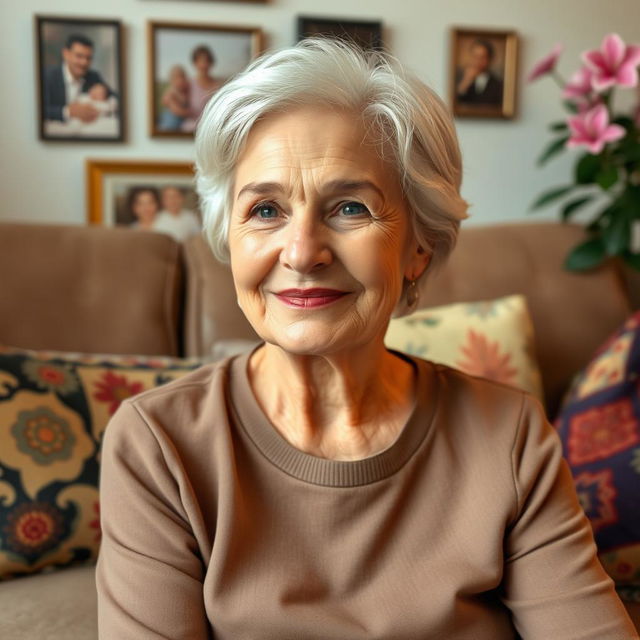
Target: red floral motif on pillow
597,494
599,432
483,358
114,388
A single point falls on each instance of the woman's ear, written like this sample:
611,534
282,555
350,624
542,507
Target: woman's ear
418,261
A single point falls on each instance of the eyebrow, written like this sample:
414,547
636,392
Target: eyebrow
264,188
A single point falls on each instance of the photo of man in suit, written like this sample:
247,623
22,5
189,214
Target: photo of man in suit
476,83
73,90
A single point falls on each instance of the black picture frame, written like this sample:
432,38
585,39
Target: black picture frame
54,74
365,33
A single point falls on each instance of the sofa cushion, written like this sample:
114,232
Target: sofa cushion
600,430
53,411
60,605
492,339
89,288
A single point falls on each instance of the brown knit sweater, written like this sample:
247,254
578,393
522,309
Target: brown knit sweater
466,527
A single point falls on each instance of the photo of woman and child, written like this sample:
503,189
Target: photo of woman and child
190,63
184,98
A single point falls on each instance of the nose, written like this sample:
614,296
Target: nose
306,245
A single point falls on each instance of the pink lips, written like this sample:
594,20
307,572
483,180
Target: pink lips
309,298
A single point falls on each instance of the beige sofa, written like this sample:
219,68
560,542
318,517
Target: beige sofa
99,290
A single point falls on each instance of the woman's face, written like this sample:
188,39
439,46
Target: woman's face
319,236
145,206
202,62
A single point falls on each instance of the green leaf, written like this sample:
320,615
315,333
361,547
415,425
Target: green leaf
607,176
617,235
603,218
624,121
572,107
585,256
551,195
632,259
554,148
588,168
571,207
559,126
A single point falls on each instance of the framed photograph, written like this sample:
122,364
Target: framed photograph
153,196
367,34
80,84
188,63
483,73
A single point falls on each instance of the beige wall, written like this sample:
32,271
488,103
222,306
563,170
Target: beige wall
45,181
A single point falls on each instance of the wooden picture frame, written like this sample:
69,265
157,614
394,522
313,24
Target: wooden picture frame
365,33
80,79
178,52
483,73
112,187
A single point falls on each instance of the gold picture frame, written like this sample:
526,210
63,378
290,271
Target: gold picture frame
483,73
111,185
177,52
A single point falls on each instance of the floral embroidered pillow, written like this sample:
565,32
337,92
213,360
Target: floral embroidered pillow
53,411
491,339
599,425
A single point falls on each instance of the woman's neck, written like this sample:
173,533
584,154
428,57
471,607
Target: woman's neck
344,406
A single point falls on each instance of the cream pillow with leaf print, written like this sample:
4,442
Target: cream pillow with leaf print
491,339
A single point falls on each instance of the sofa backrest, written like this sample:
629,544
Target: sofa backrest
90,289
572,312
106,290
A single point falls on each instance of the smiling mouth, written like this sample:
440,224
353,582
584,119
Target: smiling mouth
309,298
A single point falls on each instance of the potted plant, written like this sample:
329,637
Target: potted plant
607,172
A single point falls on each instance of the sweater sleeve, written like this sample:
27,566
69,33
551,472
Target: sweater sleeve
554,584
149,573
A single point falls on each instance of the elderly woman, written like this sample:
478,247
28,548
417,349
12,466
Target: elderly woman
322,486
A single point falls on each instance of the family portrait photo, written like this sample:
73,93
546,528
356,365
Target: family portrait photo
158,197
188,64
80,84
483,73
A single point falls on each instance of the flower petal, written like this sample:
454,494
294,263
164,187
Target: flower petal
613,49
603,82
613,132
627,76
632,55
595,61
597,119
546,65
577,126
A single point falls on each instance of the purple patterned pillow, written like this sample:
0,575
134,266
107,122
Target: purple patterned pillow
599,425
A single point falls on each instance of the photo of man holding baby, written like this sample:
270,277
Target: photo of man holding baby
79,79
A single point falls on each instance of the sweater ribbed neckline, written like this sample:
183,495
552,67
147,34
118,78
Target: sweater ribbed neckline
323,471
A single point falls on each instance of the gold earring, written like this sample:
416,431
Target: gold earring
412,295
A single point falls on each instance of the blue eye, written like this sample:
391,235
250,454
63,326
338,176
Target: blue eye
265,211
353,209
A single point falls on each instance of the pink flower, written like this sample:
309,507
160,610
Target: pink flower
579,86
614,63
592,129
546,65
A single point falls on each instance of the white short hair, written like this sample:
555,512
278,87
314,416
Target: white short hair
408,117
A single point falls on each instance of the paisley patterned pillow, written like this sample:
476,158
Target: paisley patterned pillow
492,339
53,411
599,425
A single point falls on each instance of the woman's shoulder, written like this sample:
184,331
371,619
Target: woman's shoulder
191,381
472,405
